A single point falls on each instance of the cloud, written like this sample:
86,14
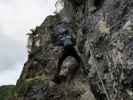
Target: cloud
12,57
10,76
11,52
21,15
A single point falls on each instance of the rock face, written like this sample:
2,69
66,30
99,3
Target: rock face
104,40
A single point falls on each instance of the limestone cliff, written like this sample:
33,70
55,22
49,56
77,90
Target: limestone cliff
104,37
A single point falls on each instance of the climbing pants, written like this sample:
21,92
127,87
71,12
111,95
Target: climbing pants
68,51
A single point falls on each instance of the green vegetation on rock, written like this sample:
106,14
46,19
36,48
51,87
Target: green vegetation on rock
6,92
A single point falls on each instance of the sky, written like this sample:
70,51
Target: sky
17,17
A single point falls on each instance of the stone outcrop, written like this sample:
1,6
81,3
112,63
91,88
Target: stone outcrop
104,37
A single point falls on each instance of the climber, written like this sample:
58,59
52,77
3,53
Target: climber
66,40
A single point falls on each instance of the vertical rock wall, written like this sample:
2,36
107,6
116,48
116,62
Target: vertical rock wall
104,35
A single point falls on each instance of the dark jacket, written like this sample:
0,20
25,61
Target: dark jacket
64,37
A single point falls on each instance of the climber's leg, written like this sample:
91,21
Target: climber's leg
57,77
60,61
74,53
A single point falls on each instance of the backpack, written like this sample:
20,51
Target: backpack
67,40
